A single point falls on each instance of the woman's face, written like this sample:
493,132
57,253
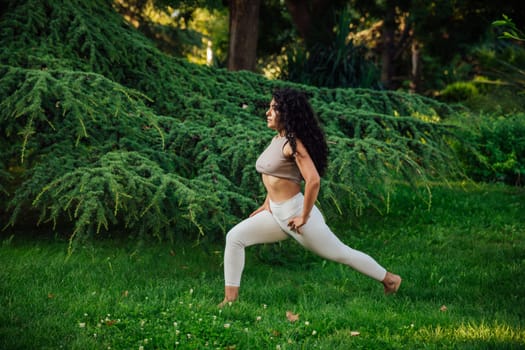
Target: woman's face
272,117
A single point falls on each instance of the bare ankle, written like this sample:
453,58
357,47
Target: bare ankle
231,293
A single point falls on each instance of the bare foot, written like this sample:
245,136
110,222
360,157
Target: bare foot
224,303
231,293
391,283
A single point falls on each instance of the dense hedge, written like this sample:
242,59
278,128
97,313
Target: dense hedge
493,149
99,129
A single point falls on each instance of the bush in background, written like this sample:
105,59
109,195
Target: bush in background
493,149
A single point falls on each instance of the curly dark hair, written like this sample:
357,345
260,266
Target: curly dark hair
299,121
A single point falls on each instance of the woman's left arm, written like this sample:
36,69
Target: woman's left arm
312,184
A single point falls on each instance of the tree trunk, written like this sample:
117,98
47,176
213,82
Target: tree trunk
244,32
300,16
388,48
415,73
311,20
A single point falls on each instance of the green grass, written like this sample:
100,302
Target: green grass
466,254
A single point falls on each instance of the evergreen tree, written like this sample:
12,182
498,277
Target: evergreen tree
100,130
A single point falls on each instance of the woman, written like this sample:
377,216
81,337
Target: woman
297,153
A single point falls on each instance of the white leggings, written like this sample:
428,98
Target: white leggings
266,227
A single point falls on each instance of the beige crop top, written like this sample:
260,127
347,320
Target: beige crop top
273,162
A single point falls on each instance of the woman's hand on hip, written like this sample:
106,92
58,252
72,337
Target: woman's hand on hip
261,208
296,223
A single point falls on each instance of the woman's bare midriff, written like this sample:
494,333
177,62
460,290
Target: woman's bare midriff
279,189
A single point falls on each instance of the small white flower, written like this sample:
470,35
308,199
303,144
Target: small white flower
175,324
265,306
85,315
177,332
82,324
141,347
306,323
227,325
188,335
191,291
314,332
258,318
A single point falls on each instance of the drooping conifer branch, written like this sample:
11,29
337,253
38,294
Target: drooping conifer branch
105,131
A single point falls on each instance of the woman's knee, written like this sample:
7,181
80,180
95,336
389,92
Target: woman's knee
236,237
232,238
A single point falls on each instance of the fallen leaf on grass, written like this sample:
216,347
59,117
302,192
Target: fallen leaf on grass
354,333
291,316
443,308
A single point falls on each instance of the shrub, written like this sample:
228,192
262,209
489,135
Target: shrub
494,150
459,91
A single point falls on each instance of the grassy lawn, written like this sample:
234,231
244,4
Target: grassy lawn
463,264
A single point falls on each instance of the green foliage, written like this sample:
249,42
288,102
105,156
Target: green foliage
504,64
493,82
101,130
493,142
510,29
494,150
328,66
459,91
339,63
496,74
374,145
